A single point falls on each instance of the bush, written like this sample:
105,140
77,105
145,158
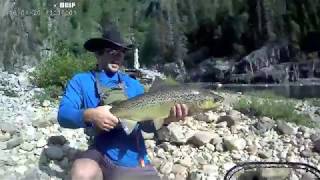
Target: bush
267,94
278,110
53,73
57,70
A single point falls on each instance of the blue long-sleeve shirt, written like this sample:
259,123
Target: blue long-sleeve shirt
80,94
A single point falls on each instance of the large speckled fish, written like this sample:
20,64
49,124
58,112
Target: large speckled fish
156,104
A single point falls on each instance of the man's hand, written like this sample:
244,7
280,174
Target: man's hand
101,117
177,112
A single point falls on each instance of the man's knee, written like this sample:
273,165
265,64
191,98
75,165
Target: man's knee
86,169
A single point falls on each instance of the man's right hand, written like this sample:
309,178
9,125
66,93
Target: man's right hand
101,117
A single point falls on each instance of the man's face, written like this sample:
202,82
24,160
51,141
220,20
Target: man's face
110,59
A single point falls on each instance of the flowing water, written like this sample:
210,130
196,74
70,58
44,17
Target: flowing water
288,90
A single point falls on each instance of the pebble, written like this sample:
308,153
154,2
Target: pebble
21,169
201,138
4,137
41,143
233,143
27,146
166,167
14,142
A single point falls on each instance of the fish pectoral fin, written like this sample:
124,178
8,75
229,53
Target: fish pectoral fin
158,123
128,125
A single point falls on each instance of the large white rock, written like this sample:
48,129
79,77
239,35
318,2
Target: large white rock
234,143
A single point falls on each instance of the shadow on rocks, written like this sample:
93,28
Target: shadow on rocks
57,158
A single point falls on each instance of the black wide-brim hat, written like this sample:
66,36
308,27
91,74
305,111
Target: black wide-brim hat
111,38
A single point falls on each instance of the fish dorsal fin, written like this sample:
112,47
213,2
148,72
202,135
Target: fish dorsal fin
159,84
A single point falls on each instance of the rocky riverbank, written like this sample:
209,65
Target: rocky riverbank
34,146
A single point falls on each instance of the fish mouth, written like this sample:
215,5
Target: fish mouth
218,99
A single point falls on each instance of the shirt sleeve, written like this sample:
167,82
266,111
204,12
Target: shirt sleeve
70,114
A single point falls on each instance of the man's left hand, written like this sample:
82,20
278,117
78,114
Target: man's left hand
177,112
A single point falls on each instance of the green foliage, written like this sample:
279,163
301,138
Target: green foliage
266,94
58,69
276,109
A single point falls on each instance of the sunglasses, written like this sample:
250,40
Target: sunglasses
111,51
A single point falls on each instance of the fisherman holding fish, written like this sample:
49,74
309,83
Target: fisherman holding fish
115,154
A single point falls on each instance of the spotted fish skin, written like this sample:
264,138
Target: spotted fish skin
157,104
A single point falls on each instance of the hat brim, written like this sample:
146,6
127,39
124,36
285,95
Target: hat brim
96,44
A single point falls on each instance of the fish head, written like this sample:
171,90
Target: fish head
208,100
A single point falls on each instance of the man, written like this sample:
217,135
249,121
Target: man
114,154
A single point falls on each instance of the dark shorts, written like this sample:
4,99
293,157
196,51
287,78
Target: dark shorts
114,172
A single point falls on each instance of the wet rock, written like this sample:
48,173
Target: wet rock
264,124
315,137
222,125
207,117
201,138
64,163
306,153
231,120
41,122
265,154
284,128
54,152
316,145
57,140
173,133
